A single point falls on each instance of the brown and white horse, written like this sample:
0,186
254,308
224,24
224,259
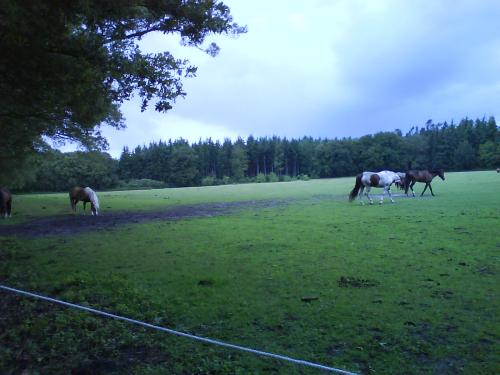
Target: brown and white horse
5,202
425,176
85,195
368,180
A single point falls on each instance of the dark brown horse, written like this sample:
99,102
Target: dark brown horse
5,202
424,176
86,195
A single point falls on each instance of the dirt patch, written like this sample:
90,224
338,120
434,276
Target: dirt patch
354,282
75,224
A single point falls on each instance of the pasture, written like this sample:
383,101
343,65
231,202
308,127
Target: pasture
404,288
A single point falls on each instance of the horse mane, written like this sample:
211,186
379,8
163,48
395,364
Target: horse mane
93,197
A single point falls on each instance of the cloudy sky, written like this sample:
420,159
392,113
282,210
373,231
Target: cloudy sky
331,68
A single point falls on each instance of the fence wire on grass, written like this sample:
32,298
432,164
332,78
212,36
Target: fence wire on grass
177,333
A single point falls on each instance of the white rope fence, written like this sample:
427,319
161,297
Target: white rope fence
173,332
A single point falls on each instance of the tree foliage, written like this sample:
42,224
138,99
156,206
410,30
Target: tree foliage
66,66
466,146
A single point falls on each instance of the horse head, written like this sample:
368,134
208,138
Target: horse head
401,183
440,173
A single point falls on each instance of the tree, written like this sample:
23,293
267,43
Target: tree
56,171
239,161
183,165
464,157
489,155
67,66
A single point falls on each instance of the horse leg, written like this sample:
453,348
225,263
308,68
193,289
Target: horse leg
73,204
368,188
382,196
430,187
411,188
425,188
390,195
9,208
361,193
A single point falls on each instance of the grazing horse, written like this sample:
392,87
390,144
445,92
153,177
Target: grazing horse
425,176
85,195
368,180
400,184
5,202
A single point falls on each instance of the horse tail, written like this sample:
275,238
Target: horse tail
3,202
408,180
354,192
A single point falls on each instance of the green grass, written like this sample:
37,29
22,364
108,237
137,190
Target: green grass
405,288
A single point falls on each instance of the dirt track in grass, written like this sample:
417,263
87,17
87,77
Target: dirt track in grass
72,224
78,223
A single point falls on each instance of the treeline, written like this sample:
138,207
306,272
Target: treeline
467,145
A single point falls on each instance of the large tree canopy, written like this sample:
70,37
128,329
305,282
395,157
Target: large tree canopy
67,65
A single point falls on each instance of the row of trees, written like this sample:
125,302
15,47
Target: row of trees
466,146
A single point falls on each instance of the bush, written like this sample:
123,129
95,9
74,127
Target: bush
272,177
261,177
226,180
303,177
139,184
208,181
286,178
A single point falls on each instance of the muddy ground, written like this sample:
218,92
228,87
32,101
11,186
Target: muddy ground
77,223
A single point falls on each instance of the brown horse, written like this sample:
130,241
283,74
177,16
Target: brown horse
5,202
425,176
86,195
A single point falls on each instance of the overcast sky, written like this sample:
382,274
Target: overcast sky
331,69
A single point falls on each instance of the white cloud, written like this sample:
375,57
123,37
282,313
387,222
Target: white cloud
331,68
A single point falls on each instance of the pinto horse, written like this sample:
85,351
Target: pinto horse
425,176
85,195
368,180
5,202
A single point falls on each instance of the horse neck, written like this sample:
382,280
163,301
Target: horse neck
434,174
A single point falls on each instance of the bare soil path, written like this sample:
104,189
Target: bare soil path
77,223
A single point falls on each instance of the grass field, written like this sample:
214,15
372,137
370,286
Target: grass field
405,288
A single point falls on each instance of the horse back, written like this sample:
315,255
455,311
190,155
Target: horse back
78,193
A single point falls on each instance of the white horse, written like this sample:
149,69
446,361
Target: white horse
383,179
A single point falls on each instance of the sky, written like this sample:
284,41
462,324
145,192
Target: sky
330,68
